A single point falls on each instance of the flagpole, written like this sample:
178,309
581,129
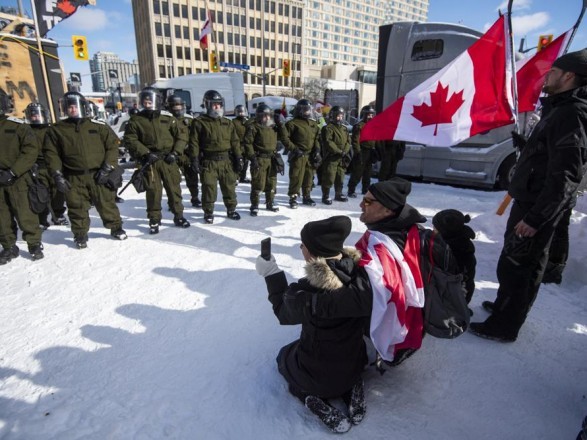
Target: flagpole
510,34
576,26
43,66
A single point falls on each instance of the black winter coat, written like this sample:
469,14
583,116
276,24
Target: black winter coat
554,159
330,355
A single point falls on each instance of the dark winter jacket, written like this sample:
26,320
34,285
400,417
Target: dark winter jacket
554,159
330,355
350,302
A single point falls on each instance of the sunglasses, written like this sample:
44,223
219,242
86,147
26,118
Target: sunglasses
367,201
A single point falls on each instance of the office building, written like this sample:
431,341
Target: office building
110,72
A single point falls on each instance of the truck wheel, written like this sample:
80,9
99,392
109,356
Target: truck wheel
506,172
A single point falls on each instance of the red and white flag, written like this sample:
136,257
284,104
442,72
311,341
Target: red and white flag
531,72
398,291
470,95
206,30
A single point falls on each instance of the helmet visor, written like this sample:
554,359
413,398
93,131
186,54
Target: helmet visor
74,106
35,114
150,100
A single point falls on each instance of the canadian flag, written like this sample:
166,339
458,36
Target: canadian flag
398,291
206,30
470,95
531,72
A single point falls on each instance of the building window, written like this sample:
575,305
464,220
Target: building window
180,71
427,49
186,33
160,50
168,51
158,30
177,31
165,8
166,30
175,10
184,11
188,53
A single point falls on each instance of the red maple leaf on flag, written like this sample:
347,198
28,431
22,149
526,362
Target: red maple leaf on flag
441,109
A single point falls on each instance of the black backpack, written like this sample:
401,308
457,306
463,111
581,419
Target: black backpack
446,314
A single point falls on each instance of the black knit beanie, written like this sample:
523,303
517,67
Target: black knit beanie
451,223
575,62
325,238
391,193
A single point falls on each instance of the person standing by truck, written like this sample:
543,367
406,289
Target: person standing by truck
301,138
336,148
214,138
260,147
154,138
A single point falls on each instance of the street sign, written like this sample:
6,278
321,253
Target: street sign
236,66
113,73
75,77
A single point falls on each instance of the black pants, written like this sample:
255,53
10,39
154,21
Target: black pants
519,271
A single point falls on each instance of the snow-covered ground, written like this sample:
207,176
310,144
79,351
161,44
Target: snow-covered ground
171,337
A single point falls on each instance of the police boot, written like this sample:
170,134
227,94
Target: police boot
293,202
81,241
196,202
233,215
271,207
326,199
341,198
118,233
254,210
209,218
8,254
181,222
154,226
307,200
36,251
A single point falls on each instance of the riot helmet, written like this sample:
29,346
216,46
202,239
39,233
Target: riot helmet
240,111
73,105
264,115
304,109
176,105
336,115
36,114
6,103
150,99
213,102
367,113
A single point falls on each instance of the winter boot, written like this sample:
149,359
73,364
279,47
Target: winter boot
352,194
36,251
181,222
196,202
335,420
154,226
60,221
8,254
293,202
355,401
341,198
271,207
254,210
488,306
326,200
233,215
307,200
209,218
43,222
81,241
119,234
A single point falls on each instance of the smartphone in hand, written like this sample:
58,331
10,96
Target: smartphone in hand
266,248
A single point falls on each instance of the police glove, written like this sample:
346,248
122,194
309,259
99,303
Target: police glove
265,267
195,165
150,158
171,158
255,164
316,159
7,177
346,160
518,140
239,164
63,186
102,174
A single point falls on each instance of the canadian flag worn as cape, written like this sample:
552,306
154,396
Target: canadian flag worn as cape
206,30
398,291
470,95
531,72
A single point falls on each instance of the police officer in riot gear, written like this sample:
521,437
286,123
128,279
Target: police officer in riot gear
215,149
18,151
301,138
82,156
38,118
364,154
176,105
260,147
240,124
154,138
336,147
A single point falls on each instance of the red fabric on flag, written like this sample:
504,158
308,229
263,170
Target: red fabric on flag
206,30
469,95
531,75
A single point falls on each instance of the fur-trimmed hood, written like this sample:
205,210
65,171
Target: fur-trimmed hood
332,274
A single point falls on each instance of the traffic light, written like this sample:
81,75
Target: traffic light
214,67
80,47
286,68
543,41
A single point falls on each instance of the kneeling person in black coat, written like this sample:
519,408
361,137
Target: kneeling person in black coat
327,361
